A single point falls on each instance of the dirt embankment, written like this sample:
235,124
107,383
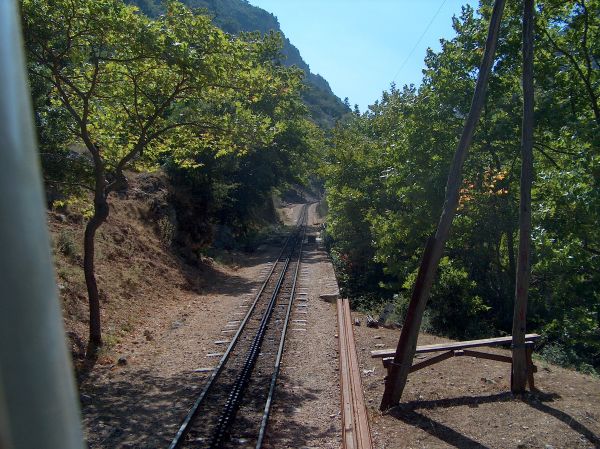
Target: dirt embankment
139,278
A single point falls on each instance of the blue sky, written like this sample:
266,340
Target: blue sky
361,46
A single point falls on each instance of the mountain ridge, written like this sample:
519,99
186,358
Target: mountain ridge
235,16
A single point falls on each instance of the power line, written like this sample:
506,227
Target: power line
419,40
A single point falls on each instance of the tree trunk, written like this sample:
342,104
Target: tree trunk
519,364
99,217
101,211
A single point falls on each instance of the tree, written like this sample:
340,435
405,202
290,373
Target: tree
571,34
137,90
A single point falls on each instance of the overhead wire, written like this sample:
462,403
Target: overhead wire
419,40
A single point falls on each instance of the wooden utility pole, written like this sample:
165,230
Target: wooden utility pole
519,353
405,351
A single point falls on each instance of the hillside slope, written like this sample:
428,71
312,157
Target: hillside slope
235,16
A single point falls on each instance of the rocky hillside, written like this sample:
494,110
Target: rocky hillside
234,16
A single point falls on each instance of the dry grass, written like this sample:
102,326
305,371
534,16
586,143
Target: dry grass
135,270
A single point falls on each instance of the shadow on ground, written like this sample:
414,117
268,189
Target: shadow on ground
295,433
139,410
206,278
538,400
136,409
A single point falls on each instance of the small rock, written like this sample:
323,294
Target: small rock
148,335
356,322
372,322
377,337
122,361
329,297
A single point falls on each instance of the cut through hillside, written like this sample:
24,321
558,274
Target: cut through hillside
163,319
138,275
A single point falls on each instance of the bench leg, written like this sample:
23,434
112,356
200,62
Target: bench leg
530,369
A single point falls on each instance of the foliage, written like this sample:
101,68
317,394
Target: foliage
137,88
136,93
386,174
66,245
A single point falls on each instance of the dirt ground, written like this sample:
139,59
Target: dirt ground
465,402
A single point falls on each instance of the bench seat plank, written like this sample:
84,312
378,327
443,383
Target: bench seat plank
380,353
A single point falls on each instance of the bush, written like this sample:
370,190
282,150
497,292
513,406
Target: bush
65,244
560,355
453,308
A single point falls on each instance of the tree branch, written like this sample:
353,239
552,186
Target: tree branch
547,156
586,81
556,150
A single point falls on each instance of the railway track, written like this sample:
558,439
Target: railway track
233,408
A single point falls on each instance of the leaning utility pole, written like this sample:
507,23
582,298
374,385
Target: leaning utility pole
405,351
519,355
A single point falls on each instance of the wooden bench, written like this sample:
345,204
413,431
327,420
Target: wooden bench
462,348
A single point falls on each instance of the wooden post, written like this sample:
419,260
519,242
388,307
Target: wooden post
530,367
405,351
520,365
39,404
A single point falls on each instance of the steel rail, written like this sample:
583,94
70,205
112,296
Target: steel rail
185,426
356,433
236,395
263,426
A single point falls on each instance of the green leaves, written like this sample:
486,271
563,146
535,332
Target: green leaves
387,169
138,88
